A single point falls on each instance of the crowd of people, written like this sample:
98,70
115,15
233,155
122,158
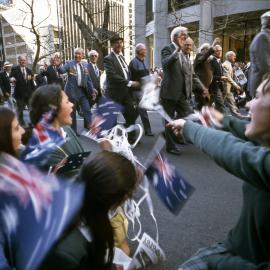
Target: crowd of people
240,146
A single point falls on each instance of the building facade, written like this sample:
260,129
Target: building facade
83,22
236,22
16,37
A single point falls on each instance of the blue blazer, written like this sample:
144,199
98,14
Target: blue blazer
72,89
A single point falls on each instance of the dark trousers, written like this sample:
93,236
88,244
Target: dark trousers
217,98
86,110
137,96
180,107
21,103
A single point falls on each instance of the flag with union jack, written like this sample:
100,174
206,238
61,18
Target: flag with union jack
44,139
34,210
170,185
104,117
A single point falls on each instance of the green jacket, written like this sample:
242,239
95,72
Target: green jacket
249,240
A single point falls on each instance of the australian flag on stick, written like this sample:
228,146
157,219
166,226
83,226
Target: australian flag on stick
171,186
34,211
104,118
44,139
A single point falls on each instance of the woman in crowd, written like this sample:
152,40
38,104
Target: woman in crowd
110,179
244,152
45,99
10,132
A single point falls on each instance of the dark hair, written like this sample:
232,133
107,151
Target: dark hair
110,179
115,38
6,118
43,99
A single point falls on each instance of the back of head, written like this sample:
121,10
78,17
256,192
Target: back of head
110,179
204,46
43,99
6,118
265,19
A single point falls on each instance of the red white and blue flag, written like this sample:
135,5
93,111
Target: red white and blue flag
172,188
104,117
34,210
44,139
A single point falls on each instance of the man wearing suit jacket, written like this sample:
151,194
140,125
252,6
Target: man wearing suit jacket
94,71
118,81
52,72
174,97
22,77
216,87
79,87
5,84
230,85
259,55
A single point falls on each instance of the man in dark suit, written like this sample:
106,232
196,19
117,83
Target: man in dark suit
216,87
22,77
5,83
173,92
79,87
118,81
94,71
52,72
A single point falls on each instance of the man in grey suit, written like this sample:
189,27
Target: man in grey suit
259,55
174,97
79,87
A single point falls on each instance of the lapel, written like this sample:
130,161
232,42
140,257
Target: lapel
116,64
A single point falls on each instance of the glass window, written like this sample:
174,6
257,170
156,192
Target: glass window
178,4
149,11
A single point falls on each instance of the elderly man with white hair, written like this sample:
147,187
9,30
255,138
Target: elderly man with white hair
138,70
259,55
230,85
79,87
173,92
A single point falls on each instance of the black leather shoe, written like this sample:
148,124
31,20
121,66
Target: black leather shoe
174,151
149,133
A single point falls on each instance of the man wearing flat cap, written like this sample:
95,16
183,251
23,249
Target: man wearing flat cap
119,85
259,55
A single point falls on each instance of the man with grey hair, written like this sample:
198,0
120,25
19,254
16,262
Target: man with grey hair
22,77
79,87
173,95
259,55
230,84
138,70
94,71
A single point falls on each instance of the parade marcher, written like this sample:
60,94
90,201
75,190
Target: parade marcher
94,71
5,84
110,179
39,78
10,132
53,71
79,87
22,77
230,84
173,92
243,152
202,69
259,55
138,70
119,85
216,87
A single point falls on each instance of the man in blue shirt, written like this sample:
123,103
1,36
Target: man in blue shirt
138,70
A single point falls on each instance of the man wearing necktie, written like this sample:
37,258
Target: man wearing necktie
79,87
216,87
119,84
22,77
94,71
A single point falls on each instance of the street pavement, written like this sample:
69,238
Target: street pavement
206,218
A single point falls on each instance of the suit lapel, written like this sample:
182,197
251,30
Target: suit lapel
116,63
